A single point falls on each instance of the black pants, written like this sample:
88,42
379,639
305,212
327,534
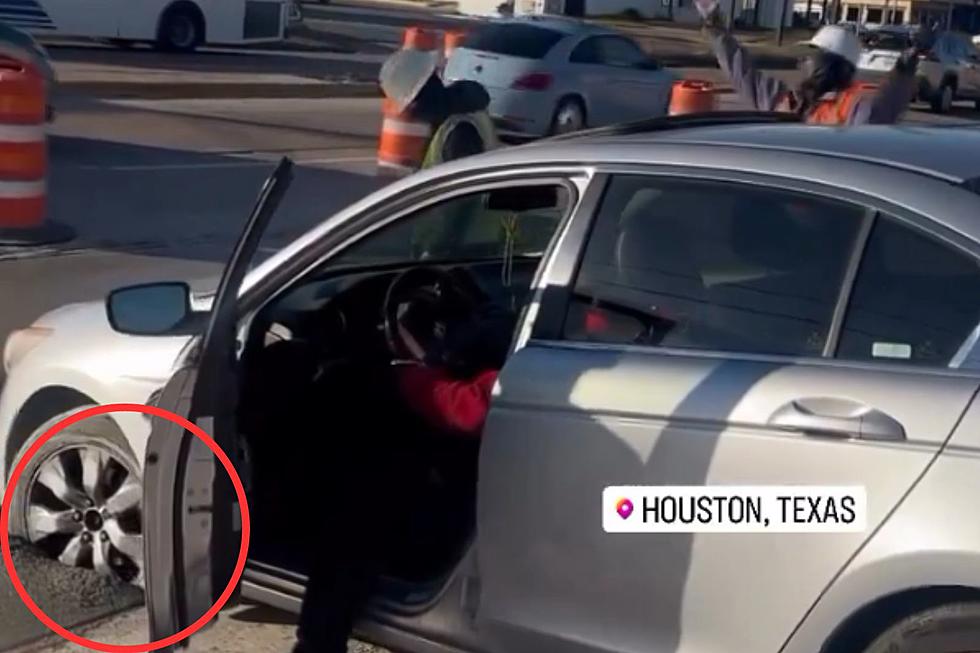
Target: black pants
373,487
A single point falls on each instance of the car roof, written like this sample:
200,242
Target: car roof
932,170
565,25
948,152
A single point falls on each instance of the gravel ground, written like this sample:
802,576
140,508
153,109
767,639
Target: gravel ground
68,595
245,628
110,612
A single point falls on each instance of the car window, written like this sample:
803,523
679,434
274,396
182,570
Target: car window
892,41
915,300
712,265
525,41
585,52
620,52
474,226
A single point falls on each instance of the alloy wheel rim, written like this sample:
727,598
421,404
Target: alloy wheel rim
182,31
83,509
568,119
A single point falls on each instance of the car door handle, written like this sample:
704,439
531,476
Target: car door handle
835,417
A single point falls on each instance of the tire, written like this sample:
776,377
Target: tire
569,117
952,628
83,525
181,30
942,101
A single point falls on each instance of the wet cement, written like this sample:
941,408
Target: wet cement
69,595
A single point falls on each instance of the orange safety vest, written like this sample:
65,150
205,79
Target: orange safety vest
837,109
834,109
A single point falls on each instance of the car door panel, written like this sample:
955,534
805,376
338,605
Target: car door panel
191,519
570,420
197,565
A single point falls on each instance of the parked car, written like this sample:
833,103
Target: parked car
948,72
721,300
553,75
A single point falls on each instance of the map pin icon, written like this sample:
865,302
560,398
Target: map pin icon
624,507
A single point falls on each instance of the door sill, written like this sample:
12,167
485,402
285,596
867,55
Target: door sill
284,589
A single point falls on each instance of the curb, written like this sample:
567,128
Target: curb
191,90
49,233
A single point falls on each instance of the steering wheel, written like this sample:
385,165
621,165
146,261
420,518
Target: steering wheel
418,307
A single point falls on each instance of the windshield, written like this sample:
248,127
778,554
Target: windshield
525,41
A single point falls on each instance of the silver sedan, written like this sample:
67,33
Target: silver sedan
703,303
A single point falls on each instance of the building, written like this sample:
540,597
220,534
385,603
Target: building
681,11
959,15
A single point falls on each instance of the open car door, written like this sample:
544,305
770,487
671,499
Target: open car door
191,517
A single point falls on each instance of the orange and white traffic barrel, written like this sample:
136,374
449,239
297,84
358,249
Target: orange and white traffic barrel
692,96
24,157
404,140
452,40
419,38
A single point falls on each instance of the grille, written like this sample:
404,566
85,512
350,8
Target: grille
263,19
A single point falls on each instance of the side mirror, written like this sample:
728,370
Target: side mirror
151,309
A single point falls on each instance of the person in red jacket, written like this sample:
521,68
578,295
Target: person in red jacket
453,400
450,405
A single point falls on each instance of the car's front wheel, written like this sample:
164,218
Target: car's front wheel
952,628
79,499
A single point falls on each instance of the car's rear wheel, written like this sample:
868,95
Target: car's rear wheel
953,628
569,117
181,30
942,101
79,499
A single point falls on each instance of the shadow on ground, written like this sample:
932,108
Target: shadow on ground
187,205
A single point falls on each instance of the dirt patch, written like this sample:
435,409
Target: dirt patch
69,595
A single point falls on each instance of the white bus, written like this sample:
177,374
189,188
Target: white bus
179,25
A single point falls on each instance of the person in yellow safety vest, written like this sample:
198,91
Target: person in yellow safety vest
457,112
828,93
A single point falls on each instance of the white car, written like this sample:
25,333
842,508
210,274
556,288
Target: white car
550,75
949,71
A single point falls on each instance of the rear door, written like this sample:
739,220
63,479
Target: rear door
717,330
639,90
969,67
191,518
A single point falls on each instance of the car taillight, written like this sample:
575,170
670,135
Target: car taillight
9,63
532,82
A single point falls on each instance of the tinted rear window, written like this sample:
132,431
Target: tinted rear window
879,41
526,41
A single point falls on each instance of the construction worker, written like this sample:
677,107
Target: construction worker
828,93
457,112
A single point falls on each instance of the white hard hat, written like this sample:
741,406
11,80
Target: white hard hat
838,40
405,73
